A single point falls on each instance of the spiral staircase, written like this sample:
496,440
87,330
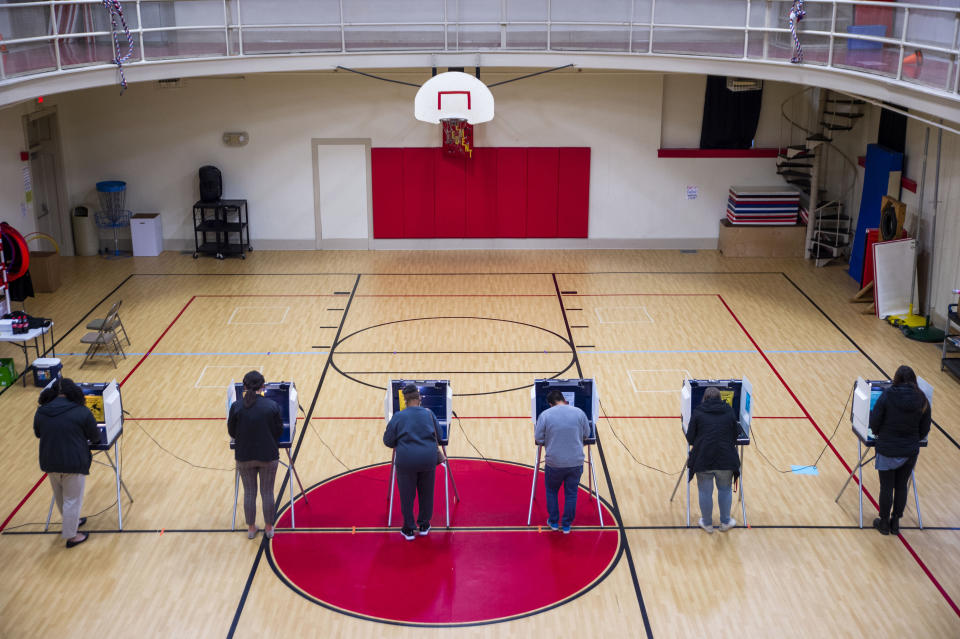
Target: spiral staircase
809,158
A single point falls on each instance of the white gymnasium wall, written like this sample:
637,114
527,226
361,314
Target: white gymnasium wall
156,139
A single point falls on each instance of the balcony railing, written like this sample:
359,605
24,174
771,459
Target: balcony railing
915,44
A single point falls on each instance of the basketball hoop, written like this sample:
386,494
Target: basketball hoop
457,137
456,101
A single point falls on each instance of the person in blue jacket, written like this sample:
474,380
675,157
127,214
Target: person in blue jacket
899,420
412,433
712,432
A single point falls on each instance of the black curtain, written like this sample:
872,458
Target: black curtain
892,132
729,117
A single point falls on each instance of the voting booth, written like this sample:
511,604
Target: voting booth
104,401
865,395
738,394
284,394
583,394
436,395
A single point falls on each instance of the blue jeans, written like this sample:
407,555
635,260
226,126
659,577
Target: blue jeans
724,479
569,479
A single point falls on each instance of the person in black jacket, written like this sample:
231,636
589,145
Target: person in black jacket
712,433
899,420
412,432
66,427
256,425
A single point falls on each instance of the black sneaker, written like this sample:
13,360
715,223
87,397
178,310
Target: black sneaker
894,525
424,530
883,525
408,533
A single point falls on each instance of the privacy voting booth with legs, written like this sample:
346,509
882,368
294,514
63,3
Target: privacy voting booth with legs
738,393
285,395
865,396
105,403
437,396
583,394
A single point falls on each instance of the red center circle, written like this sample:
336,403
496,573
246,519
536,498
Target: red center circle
488,566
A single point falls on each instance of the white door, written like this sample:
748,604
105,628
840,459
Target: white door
48,210
341,178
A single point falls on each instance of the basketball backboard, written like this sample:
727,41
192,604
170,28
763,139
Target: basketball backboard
453,96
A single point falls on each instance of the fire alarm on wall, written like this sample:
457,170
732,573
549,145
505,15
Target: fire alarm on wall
236,138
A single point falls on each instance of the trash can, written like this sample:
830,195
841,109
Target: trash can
8,372
45,369
86,238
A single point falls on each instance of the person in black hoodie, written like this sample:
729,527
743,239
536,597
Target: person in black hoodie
65,426
712,433
899,420
256,425
413,433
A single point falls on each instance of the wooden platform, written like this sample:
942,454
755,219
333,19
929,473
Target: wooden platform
761,241
342,323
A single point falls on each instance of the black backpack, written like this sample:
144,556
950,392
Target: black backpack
211,184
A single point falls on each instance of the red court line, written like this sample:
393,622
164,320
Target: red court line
147,354
835,452
930,574
22,502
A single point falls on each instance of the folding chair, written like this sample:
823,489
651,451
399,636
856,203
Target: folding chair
96,324
104,339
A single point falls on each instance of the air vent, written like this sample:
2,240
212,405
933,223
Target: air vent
744,84
173,83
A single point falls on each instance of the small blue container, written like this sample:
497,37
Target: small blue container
45,369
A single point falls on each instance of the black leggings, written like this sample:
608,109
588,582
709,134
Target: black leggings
893,488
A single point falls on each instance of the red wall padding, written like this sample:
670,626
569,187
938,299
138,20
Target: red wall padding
508,192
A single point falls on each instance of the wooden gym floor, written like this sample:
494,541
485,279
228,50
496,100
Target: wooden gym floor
340,324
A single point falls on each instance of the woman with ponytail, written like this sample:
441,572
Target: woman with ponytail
65,426
256,425
899,420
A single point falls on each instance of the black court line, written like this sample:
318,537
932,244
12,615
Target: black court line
438,372
606,473
319,347
858,347
566,352
337,309
80,321
584,346
326,327
580,326
296,451
461,273
573,309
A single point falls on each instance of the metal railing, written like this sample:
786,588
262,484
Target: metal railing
914,44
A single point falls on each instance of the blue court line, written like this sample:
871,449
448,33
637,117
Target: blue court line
749,350
187,354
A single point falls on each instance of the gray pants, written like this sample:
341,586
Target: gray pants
68,493
248,475
724,480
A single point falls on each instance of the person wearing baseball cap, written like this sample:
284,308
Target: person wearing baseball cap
412,433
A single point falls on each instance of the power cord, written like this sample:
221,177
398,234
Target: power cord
756,442
630,452
482,456
317,433
173,454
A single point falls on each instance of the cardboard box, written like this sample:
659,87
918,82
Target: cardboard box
45,271
761,241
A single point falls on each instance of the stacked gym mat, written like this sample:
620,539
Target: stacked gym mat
766,205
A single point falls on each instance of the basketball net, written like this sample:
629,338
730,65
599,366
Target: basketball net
457,137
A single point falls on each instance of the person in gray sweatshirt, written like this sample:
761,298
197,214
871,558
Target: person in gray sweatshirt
561,430
412,432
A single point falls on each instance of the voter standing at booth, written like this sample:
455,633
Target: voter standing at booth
412,433
561,430
256,424
899,420
65,426
713,435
